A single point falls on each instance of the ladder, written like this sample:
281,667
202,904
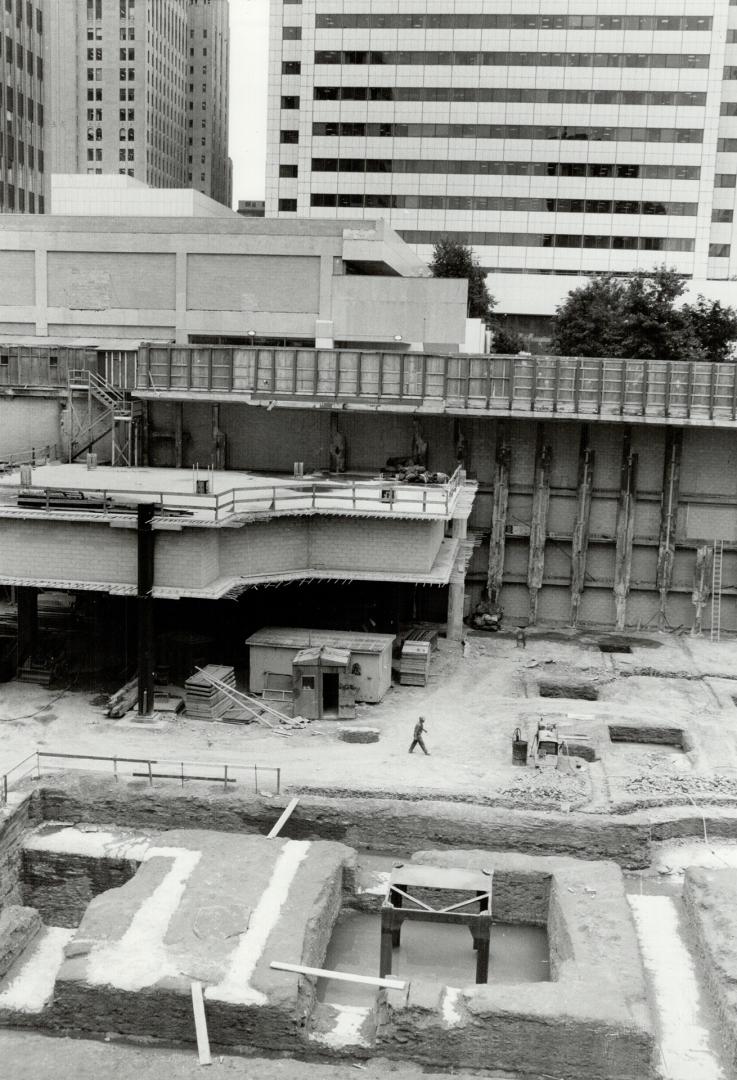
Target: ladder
716,591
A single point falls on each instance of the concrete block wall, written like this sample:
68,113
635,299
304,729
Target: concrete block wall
27,422
67,551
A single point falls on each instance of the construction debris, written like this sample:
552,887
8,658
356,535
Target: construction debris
123,700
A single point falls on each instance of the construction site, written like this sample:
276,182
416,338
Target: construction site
243,553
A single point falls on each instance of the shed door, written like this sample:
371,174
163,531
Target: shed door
330,690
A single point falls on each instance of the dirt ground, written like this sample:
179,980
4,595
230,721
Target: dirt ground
472,705
27,1056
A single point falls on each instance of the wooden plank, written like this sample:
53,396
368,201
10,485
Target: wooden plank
625,528
287,813
500,500
200,1024
668,518
539,523
580,538
341,976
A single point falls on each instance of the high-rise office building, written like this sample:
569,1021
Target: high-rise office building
124,80
208,60
22,92
554,137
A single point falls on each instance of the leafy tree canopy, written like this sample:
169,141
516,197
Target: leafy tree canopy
637,317
451,259
505,340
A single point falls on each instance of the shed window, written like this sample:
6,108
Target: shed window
308,682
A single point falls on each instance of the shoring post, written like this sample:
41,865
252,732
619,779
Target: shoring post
278,780
181,766
150,774
255,778
38,765
5,788
225,777
115,767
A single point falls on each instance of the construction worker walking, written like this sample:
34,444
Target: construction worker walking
417,739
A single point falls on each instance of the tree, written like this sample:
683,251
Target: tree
505,341
451,259
715,327
637,317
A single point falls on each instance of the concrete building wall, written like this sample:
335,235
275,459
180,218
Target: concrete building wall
165,278
208,33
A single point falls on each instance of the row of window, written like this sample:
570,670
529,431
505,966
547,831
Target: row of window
557,240
474,167
501,131
474,58
29,13
16,150
23,58
512,94
501,203
487,21
14,198
22,104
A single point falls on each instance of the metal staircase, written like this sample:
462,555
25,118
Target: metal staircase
103,410
716,590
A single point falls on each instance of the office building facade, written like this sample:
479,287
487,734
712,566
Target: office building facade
122,90
556,138
22,150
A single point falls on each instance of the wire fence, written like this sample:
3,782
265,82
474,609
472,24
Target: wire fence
262,779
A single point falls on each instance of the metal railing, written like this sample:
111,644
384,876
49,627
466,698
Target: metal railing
374,497
226,773
37,455
552,385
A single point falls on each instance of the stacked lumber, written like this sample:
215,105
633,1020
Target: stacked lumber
424,634
206,694
414,663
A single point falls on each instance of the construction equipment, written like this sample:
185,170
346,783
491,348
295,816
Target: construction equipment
519,748
545,744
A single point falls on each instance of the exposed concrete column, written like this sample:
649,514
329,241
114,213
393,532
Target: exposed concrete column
625,529
500,500
145,603
145,432
580,540
668,517
41,292
457,586
27,632
539,523
180,287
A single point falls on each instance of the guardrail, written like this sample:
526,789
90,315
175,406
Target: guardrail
573,386
226,773
37,455
369,496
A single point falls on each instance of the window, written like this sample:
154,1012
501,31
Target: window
308,682
291,33
719,251
725,180
288,171
288,204
291,67
725,216
290,102
289,137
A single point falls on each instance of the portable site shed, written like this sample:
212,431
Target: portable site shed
323,685
273,649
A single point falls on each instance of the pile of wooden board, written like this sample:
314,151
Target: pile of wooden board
414,663
206,699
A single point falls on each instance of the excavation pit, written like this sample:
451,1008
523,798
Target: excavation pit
648,736
219,907
574,691
614,647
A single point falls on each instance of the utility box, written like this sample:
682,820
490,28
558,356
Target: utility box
273,649
322,684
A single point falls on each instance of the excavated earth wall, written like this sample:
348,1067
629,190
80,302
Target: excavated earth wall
14,824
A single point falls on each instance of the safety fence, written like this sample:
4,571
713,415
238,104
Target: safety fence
262,779
556,385
37,455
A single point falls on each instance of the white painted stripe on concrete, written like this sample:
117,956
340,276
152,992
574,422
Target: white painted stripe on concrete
31,979
140,958
236,986
685,1053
